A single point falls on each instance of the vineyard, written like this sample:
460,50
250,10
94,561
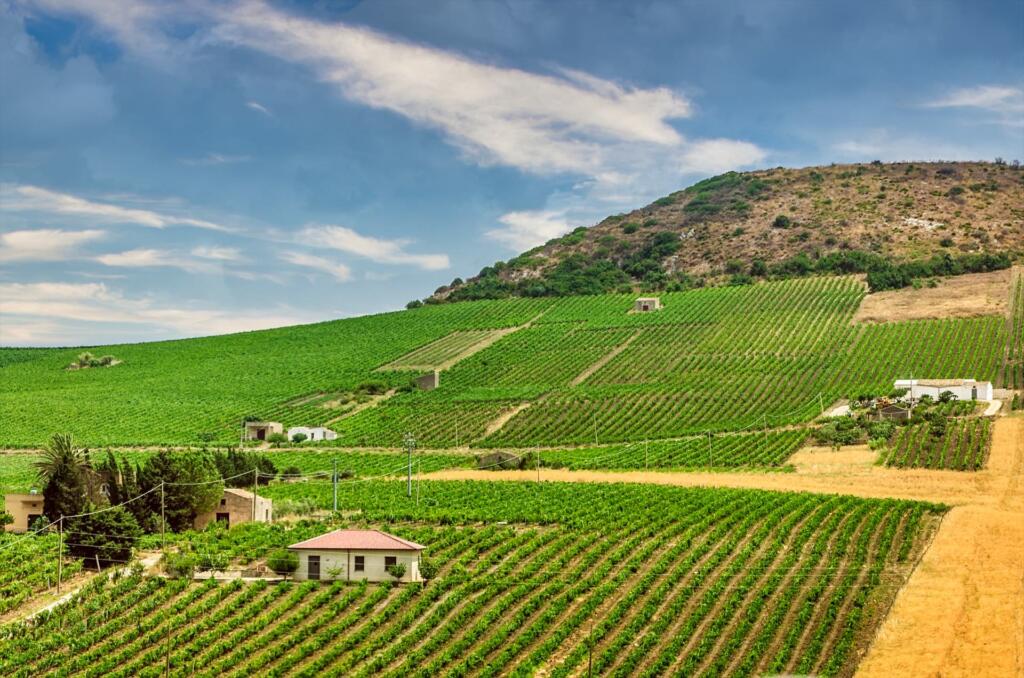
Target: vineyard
570,371
962,445
28,566
628,579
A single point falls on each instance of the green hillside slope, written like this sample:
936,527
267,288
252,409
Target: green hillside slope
576,370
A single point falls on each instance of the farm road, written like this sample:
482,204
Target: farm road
961,613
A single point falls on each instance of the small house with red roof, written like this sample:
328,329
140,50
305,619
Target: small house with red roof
353,555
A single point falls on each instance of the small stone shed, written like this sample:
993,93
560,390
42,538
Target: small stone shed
429,381
963,389
357,554
237,506
894,413
261,430
312,433
24,508
647,304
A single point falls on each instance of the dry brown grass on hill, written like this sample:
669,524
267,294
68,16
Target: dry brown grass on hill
964,296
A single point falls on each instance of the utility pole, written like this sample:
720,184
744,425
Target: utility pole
538,463
593,416
711,458
646,457
163,519
255,485
765,450
456,433
409,442
60,549
821,405
419,459
334,481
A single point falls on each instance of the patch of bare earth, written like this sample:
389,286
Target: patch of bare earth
964,296
962,611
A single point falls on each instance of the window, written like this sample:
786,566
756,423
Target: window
390,560
223,502
360,563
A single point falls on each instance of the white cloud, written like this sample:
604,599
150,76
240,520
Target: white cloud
339,271
22,198
527,229
713,156
40,313
257,106
217,253
216,159
536,122
153,258
374,249
1005,102
880,144
45,244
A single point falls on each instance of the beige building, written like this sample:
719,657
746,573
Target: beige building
357,554
261,430
237,506
24,508
647,304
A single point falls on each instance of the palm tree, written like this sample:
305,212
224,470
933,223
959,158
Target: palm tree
66,470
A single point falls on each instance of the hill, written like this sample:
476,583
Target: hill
516,373
776,222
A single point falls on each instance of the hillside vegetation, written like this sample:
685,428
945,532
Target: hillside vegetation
575,371
781,223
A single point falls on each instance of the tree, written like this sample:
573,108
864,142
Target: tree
283,561
396,570
192,486
236,467
5,519
276,439
67,476
107,535
299,437
428,568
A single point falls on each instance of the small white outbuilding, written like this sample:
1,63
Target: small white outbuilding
963,389
312,433
357,554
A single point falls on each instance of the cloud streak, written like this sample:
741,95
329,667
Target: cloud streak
35,313
33,199
336,270
45,244
375,249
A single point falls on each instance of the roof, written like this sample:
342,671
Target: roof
366,540
238,492
894,408
942,382
262,423
647,298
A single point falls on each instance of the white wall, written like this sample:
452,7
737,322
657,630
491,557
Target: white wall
961,392
374,565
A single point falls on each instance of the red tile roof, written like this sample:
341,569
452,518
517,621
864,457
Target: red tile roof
367,540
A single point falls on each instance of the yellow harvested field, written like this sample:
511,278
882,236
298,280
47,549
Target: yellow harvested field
965,296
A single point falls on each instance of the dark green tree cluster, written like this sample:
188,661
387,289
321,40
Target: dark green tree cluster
238,467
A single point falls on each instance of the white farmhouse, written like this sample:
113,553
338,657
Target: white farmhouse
963,389
357,554
312,432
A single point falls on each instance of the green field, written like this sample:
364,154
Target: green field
638,580
716,359
962,446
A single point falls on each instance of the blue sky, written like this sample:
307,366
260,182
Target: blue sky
192,168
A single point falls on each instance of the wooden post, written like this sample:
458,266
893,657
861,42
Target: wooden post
255,485
60,549
163,519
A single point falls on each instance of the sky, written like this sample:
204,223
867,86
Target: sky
192,168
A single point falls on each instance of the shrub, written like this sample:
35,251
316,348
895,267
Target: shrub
178,565
396,570
782,221
946,242
106,537
428,568
630,227
415,303
299,437
283,561
277,438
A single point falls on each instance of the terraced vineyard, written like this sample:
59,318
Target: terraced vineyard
962,446
638,580
713,360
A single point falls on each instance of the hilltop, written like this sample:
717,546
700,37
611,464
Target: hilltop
776,223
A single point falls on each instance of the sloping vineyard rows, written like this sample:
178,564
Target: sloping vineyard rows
441,351
1012,375
168,392
29,565
731,451
963,446
643,580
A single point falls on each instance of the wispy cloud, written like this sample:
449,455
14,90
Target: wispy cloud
1006,102
154,258
216,159
45,244
374,249
259,108
337,270
22,198
527,229
217,253
536,122
38,313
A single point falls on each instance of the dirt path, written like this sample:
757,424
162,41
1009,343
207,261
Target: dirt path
962,612
604,360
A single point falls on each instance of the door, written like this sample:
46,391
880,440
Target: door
261,434
313,567
224,518
974,393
